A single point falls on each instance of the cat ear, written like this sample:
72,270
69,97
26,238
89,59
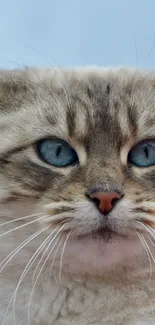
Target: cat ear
13,93
13,89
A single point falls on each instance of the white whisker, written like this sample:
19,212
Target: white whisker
46,251
21,226
29,305
54,257
66,93
19,247
148,249
62,255
148,228
35,271
147,252
22,218
153,244
151,229
28,266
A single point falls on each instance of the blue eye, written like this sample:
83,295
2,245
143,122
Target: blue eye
57,152
143,154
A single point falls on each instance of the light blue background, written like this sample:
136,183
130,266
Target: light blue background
77,32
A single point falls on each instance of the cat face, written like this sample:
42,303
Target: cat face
79,147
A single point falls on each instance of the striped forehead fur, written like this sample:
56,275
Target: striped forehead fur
70,103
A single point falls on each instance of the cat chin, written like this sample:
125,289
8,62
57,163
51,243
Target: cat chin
94,256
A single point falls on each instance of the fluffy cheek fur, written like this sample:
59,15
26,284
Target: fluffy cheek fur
17,207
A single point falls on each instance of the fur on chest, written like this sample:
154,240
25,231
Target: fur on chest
78,302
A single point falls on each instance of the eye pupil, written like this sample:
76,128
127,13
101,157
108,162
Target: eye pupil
58,151
146,152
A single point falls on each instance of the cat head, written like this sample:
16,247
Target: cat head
79,147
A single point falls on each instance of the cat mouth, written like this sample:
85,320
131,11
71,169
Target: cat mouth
80,227
103,230
103,233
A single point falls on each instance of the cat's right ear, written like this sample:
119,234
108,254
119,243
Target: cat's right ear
13,90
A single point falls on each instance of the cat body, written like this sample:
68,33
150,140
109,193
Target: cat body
77,197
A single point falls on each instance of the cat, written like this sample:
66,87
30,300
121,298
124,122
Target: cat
77,196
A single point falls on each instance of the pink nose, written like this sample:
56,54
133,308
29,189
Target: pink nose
105,200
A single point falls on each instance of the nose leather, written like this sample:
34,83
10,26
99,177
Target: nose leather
105,200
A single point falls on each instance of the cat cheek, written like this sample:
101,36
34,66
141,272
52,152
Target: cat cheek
19,207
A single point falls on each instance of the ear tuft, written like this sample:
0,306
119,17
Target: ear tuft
13,89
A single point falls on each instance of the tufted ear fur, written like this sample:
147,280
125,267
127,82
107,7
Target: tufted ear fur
13,89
